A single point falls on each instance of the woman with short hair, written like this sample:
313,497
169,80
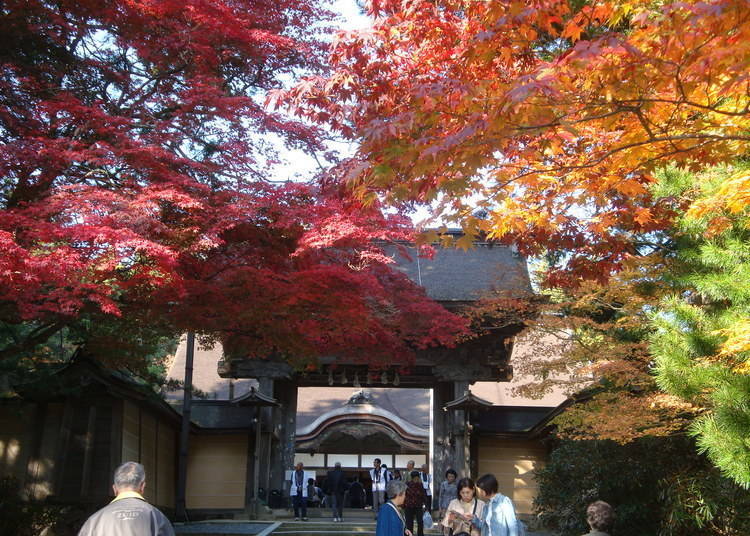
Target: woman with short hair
391,520
448,491
499,516
457,521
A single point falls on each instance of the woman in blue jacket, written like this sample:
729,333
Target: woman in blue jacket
391,520
498,517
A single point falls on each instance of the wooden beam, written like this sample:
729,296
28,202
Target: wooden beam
249,469
63,446
155,476
181,501
115,436
269,447
88,450
34,465
256,463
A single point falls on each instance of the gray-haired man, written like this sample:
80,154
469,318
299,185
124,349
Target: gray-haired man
336,487
128,514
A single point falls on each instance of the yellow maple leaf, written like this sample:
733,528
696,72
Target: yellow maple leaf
642,215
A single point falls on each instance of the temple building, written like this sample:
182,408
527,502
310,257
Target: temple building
454,410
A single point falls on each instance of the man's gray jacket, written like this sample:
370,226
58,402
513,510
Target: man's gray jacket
128,515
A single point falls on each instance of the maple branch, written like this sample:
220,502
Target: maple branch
609,153
560,123
639,114
692,104
662,156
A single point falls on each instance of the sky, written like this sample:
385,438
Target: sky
353,18
300,165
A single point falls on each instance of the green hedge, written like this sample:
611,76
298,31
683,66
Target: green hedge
658,487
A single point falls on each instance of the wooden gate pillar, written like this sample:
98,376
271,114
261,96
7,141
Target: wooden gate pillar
284,428
442,450
460,434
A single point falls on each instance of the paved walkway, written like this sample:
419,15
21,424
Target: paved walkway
221,528
290,528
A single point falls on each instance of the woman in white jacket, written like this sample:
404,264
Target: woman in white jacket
460,511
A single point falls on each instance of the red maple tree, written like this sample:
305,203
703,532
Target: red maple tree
135,185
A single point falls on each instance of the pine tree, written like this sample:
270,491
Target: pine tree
701,344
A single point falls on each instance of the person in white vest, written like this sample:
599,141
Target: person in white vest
380,477
298,492
427,485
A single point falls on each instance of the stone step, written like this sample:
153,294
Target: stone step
317,513
318,528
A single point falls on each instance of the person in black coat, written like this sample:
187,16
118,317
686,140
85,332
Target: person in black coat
335,488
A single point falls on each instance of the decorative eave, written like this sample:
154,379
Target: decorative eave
467,402
255,398
362,412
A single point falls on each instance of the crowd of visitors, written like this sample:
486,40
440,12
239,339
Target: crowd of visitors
402,499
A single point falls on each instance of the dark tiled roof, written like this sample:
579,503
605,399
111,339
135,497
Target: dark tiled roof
75,378
205,375
469,401
457,275
220,414
511,419
255,398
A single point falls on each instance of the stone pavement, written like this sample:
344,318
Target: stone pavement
318,527
221,528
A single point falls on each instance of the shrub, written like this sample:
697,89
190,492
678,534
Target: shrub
658,487
21,517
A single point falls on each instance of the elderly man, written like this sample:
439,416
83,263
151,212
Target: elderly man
298,491
128,514
380,479
336,487
427,485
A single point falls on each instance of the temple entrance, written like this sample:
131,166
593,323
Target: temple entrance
359,426
421,410
348,412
